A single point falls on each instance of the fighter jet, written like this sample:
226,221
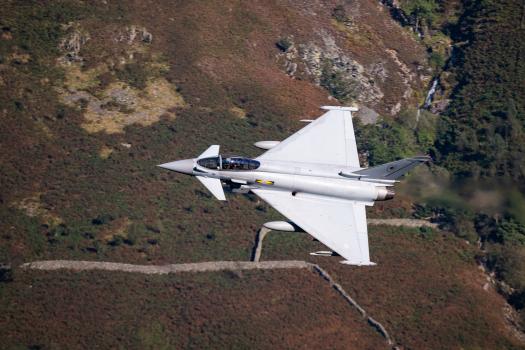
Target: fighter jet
313,178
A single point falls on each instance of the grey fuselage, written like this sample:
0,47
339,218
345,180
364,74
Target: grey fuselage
295,177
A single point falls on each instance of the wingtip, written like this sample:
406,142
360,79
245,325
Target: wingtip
340,108
359,263
425,158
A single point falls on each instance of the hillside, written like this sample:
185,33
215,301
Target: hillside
103,97
94,94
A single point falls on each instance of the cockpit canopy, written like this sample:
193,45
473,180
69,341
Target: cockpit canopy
228,163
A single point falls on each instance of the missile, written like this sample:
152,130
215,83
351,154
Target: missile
266,144
324,253
282,226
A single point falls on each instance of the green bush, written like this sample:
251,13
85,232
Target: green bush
385,141
503,230
338,84
437,60
6,273
509,264
421,10
339,14
516,205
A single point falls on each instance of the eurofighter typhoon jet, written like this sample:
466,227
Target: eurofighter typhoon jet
313,178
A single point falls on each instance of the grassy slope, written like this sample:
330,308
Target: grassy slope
216,61
426,288
220,56
260,310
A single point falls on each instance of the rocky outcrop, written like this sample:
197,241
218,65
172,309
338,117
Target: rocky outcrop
367,115
72,44
77,37
438,107
120,105
134,33
327,65
133,92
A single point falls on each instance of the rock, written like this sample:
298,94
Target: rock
438,107
406,74
20,58
367,115
147,37
285,44
378,71
6,35
133,32
291,68
6,273
395,109
288,53
312,56
72,44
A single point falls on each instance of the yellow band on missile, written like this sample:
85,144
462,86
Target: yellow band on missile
264,182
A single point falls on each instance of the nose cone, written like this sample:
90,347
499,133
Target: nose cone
184,166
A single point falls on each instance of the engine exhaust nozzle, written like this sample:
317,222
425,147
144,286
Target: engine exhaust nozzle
385,193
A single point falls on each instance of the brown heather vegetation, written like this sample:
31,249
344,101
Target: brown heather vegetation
426,288
67,193
259,310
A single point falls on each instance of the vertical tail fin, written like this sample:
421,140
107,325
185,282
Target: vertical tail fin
212,151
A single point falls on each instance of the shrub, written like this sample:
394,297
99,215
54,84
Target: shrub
385,141
509,264
436,60
6,273
338,83
284,44
420,10
116,241
339,14
102,219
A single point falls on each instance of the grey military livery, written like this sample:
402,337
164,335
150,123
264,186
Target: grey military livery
313,178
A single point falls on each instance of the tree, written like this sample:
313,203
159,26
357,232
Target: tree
420,11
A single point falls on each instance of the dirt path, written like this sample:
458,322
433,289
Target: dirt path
209,266
257,249
402,222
